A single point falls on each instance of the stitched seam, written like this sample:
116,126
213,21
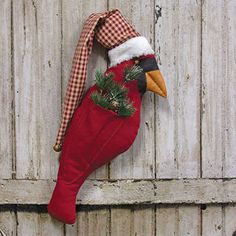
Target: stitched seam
108,140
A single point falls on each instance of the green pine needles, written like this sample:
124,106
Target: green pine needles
113,95
132,73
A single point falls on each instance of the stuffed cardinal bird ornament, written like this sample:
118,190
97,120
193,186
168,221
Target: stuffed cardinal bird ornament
103,122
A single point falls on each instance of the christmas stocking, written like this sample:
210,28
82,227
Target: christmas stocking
107,120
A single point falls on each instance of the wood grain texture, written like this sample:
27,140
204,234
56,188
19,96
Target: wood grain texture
117,192
90,221
230,220
146,215
212,221
71,230
37,86
170,221
6,94
219,89
7,223
177,43
121,217
28,223
189,220
93,220
136,220
166,221
178,220
50,226
34,223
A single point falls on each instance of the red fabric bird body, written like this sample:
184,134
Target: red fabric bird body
95,134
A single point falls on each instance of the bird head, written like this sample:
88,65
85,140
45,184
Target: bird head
151,78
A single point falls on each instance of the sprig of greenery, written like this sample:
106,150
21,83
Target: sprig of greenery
113,95
100,100
103,82
126,109
131,73
117,92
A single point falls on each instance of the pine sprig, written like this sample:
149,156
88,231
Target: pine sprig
103,82
132,73
117,91
126,109
100,100
113,95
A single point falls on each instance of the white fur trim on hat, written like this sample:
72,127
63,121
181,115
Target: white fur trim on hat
133,47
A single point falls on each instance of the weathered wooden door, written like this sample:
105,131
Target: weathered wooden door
179,176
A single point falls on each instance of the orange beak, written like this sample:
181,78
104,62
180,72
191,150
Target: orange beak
156,83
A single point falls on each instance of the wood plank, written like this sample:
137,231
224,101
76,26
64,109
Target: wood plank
116,192
143,220
121,221
6,125
219,89
33,222
186,220
74,13
71,230
212,221
7,223
230,220
177,44
90,221
178,220
82,222
28,223
97,220
189,220
93,220
229,170
166,221
50,226
139,160
212,90
37,96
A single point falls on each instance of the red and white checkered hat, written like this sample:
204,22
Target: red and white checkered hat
111,30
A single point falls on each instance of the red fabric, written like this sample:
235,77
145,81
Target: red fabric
95,136
110,29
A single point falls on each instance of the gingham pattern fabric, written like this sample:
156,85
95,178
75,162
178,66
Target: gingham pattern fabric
110,29
114,31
